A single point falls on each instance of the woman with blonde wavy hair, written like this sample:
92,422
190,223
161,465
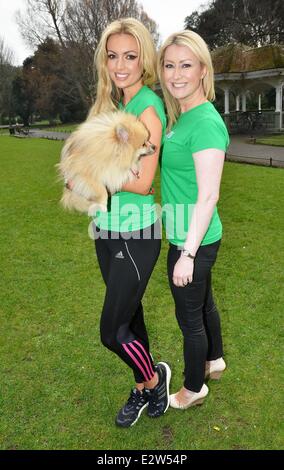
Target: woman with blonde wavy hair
126,238
192,164
108,93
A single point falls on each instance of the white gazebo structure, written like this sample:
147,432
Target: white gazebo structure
241,71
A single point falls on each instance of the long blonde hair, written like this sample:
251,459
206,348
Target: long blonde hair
199,47
108,95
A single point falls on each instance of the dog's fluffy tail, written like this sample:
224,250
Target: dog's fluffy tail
73,201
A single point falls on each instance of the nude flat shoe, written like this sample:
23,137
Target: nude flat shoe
214,369
195,398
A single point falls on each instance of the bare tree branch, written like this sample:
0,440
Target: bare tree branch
77,26
6,54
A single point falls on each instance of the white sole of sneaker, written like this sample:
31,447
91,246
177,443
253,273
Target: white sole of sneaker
139,414
169,374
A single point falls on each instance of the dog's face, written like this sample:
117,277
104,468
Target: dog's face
134,139
147,149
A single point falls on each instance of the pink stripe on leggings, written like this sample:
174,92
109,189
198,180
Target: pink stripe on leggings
136,362
141,358
147,356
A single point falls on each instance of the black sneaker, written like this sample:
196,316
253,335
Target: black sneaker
159,397
131,411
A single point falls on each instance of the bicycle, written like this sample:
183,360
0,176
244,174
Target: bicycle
250,121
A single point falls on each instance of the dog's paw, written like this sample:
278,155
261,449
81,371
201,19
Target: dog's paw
94,208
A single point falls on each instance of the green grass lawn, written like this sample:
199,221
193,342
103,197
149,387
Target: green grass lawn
277,140
61,389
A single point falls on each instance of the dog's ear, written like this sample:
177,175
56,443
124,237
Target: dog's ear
122,134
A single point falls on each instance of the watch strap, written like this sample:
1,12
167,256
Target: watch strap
187,254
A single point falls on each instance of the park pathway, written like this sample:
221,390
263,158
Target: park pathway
42,134
241,148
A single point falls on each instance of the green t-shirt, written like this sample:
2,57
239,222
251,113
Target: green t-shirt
198,129
130,211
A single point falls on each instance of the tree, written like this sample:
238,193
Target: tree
244,21
47,22
7,74
48,77
6,54
76,26
76,20
25,90
40,86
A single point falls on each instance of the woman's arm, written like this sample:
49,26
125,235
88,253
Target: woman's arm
149,163
208,166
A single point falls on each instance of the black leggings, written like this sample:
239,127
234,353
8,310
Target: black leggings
197,315
126,267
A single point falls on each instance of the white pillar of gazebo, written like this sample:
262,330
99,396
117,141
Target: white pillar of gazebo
244,102
278,104
227,105
259,102
281,107
237,102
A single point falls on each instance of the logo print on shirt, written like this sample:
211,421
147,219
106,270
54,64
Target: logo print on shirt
119,255
170,134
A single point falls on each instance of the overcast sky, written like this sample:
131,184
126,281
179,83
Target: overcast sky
168,14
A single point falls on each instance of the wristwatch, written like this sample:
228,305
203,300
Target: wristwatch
187,254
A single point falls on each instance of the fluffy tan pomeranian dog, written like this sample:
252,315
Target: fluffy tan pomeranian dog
100,157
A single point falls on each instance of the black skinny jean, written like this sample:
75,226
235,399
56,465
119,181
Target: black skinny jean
197,315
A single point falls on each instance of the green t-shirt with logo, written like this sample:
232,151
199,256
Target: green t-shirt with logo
130,211
198,129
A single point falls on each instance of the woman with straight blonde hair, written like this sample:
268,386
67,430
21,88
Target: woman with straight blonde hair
192,164
200,50
127,237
